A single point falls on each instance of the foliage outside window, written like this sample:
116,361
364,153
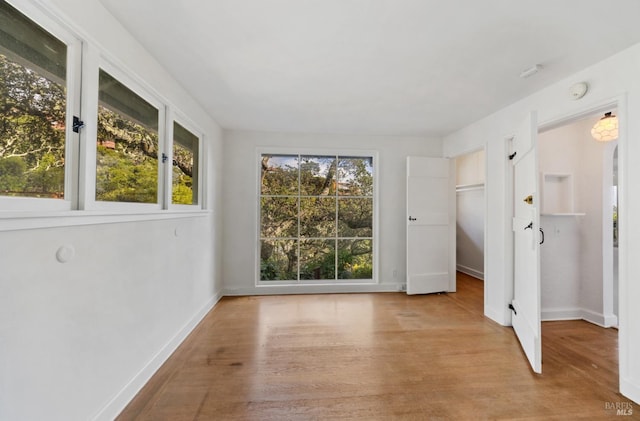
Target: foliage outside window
184,175
33,108
40,156
127,145
316,217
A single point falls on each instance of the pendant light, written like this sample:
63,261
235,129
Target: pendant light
606,129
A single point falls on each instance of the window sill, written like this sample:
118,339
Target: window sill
16,221
315,283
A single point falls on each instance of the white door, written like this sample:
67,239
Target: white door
526,237
429,226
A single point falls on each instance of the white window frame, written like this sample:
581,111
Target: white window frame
11,205
85,57
175,116
90,133
374,234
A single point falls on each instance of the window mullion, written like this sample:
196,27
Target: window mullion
165,158
299,241
89,133
335,236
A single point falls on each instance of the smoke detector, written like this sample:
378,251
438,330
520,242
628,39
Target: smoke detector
578,90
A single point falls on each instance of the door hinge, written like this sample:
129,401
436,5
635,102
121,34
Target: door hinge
513,155
512,308
77,124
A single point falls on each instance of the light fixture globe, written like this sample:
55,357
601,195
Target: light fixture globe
606,129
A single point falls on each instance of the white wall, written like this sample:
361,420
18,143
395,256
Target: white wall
78,339
613,79
470,210
572,264
241,205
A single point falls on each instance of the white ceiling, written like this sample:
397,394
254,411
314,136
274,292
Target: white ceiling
404,67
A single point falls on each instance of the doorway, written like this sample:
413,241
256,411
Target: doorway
577,276
470,214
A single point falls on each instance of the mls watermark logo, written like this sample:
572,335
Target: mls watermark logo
620,408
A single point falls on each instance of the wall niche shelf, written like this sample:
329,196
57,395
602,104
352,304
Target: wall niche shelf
556,192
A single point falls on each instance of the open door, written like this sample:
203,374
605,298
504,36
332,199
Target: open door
429,225
527,237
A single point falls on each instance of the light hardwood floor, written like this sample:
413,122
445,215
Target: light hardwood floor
378,357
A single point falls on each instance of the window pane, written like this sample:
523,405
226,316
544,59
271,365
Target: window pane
317,175
318,259
355,217
279,174
279,217
127,154
355,176
355,259
33,103
318,217
185,166
279,260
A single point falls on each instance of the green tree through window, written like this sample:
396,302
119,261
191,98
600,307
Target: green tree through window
33,108
316,217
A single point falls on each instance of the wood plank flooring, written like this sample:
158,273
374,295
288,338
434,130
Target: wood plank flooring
378,357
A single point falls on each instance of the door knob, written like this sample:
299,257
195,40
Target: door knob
529,199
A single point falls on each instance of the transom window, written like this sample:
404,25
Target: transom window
316,217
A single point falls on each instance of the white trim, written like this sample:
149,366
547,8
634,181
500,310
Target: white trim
112,408
508,242
496,316
624,301
470,271
58,29
608,260
174,116
26,221
629,388
555,314
336,288
130,82
593,317
337,152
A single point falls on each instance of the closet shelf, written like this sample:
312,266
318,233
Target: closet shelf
464,187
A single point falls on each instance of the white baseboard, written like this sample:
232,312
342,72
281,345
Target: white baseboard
470,271
611,321
631,391
554,314
313,289
111,410
497,316
593,317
